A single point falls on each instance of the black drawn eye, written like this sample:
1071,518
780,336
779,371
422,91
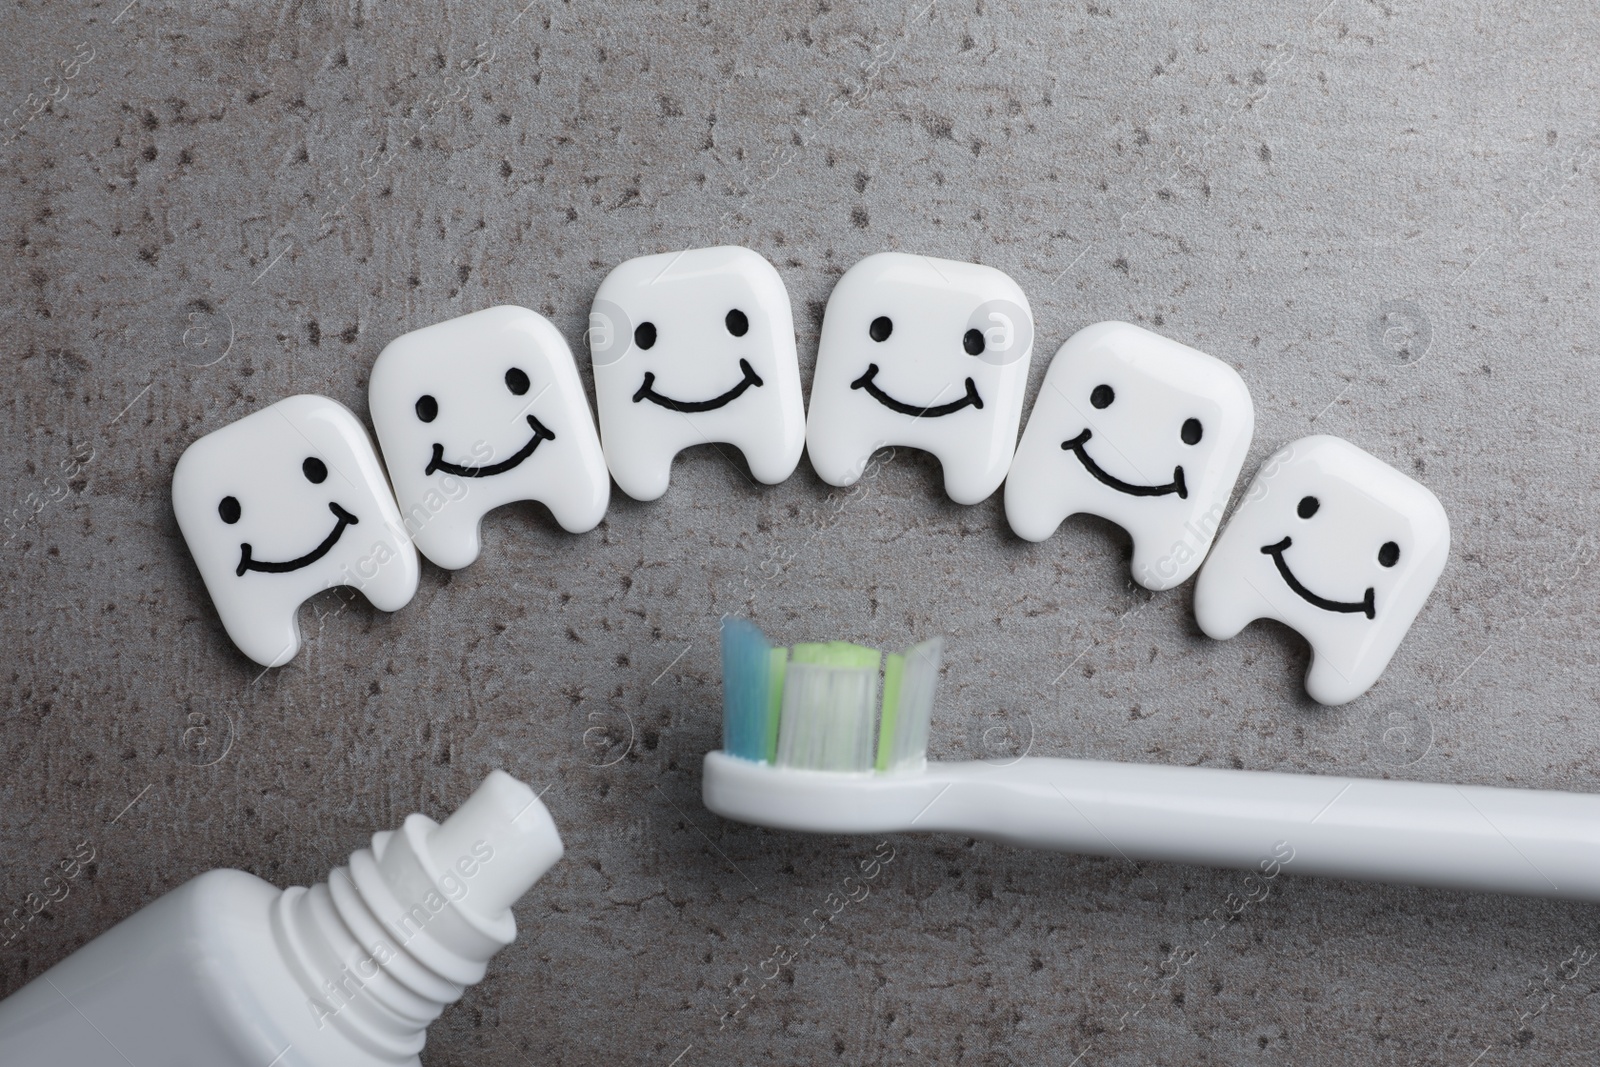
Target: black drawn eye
972,341
1102,396
315,470
881,328
1191,431
644,334
1389,554
737,322
1308,507
427,408
517,381
229,509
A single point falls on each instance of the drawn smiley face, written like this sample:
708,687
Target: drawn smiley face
283,504
517,384
1138,429
880,330
480,411
1388,555
230,511
1336,544
1103,396
926,353
694,348
645,336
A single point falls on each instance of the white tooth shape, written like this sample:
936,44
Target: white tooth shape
1140,430
1336,544
926,353
281,505
693,348
480,411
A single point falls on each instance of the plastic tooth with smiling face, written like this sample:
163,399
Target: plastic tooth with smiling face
481,411
927,353
1336,544
281,505
694,348
1140,430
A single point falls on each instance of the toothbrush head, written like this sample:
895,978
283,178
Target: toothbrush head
815,707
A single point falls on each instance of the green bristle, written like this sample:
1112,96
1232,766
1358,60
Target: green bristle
838,654
894,666
903,740
778,663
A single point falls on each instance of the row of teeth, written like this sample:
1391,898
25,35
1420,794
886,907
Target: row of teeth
698,347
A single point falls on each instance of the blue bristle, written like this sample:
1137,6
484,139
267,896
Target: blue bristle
746,681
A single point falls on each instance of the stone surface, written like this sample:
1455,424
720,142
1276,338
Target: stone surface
1383,216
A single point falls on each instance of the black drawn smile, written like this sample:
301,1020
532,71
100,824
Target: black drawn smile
1175,486
1365,607
647,392
248,564
541,432
866,382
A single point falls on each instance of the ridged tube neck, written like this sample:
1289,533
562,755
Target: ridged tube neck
400,932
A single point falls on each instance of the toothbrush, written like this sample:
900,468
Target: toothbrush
799,754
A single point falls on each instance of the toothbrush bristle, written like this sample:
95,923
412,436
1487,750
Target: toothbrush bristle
903,740
830,704
747,661
816,707
776,675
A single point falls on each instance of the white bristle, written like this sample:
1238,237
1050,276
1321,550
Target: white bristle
828,718
908,742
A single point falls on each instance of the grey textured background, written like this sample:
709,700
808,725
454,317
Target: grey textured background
1383,215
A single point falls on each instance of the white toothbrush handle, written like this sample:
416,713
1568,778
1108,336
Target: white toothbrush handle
1535,842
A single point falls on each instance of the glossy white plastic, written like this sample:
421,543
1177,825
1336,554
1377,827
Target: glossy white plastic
229,971
1336,544
1138,429
480,411
1534,842
281,505
926,353
694,348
